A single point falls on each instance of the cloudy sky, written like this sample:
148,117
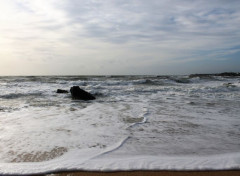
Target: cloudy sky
92,37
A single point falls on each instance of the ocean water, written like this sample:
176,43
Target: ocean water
136,122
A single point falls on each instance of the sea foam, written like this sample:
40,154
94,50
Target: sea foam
136,122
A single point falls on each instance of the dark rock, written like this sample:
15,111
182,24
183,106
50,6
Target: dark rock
229,74
62,91
80,94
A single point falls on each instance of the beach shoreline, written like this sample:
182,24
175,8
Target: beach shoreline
149,173
138,125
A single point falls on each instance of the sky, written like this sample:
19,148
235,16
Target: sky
119,37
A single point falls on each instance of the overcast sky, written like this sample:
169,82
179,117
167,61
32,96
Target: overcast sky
92,37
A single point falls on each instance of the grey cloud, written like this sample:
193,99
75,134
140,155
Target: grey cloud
144,32
121,21
114,19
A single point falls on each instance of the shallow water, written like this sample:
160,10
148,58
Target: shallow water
146,122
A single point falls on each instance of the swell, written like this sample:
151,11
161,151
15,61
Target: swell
117,80
19,95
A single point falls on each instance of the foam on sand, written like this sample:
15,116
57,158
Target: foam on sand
135,123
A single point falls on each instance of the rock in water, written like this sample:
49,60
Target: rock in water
62,91
229,74
80,94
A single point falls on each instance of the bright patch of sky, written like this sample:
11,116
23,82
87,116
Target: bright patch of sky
91,37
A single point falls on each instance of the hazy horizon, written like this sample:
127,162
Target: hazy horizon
103,75
120,37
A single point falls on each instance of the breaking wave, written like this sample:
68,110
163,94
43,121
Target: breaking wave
136,122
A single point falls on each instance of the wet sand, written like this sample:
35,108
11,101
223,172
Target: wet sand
150,173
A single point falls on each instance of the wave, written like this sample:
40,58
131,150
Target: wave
113,148
153,120
143,118
122,162
19,95
104,81
180,80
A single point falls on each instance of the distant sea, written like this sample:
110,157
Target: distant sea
136,122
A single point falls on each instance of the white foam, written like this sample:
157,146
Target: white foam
142,116
85,160
173,126
112,148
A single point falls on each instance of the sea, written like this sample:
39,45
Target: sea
172,122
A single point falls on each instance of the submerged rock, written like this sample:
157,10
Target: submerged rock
80,94
62,91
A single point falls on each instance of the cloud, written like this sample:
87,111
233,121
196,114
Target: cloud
151,33
187,26
152,19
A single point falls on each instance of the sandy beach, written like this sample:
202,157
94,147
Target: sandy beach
150,173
